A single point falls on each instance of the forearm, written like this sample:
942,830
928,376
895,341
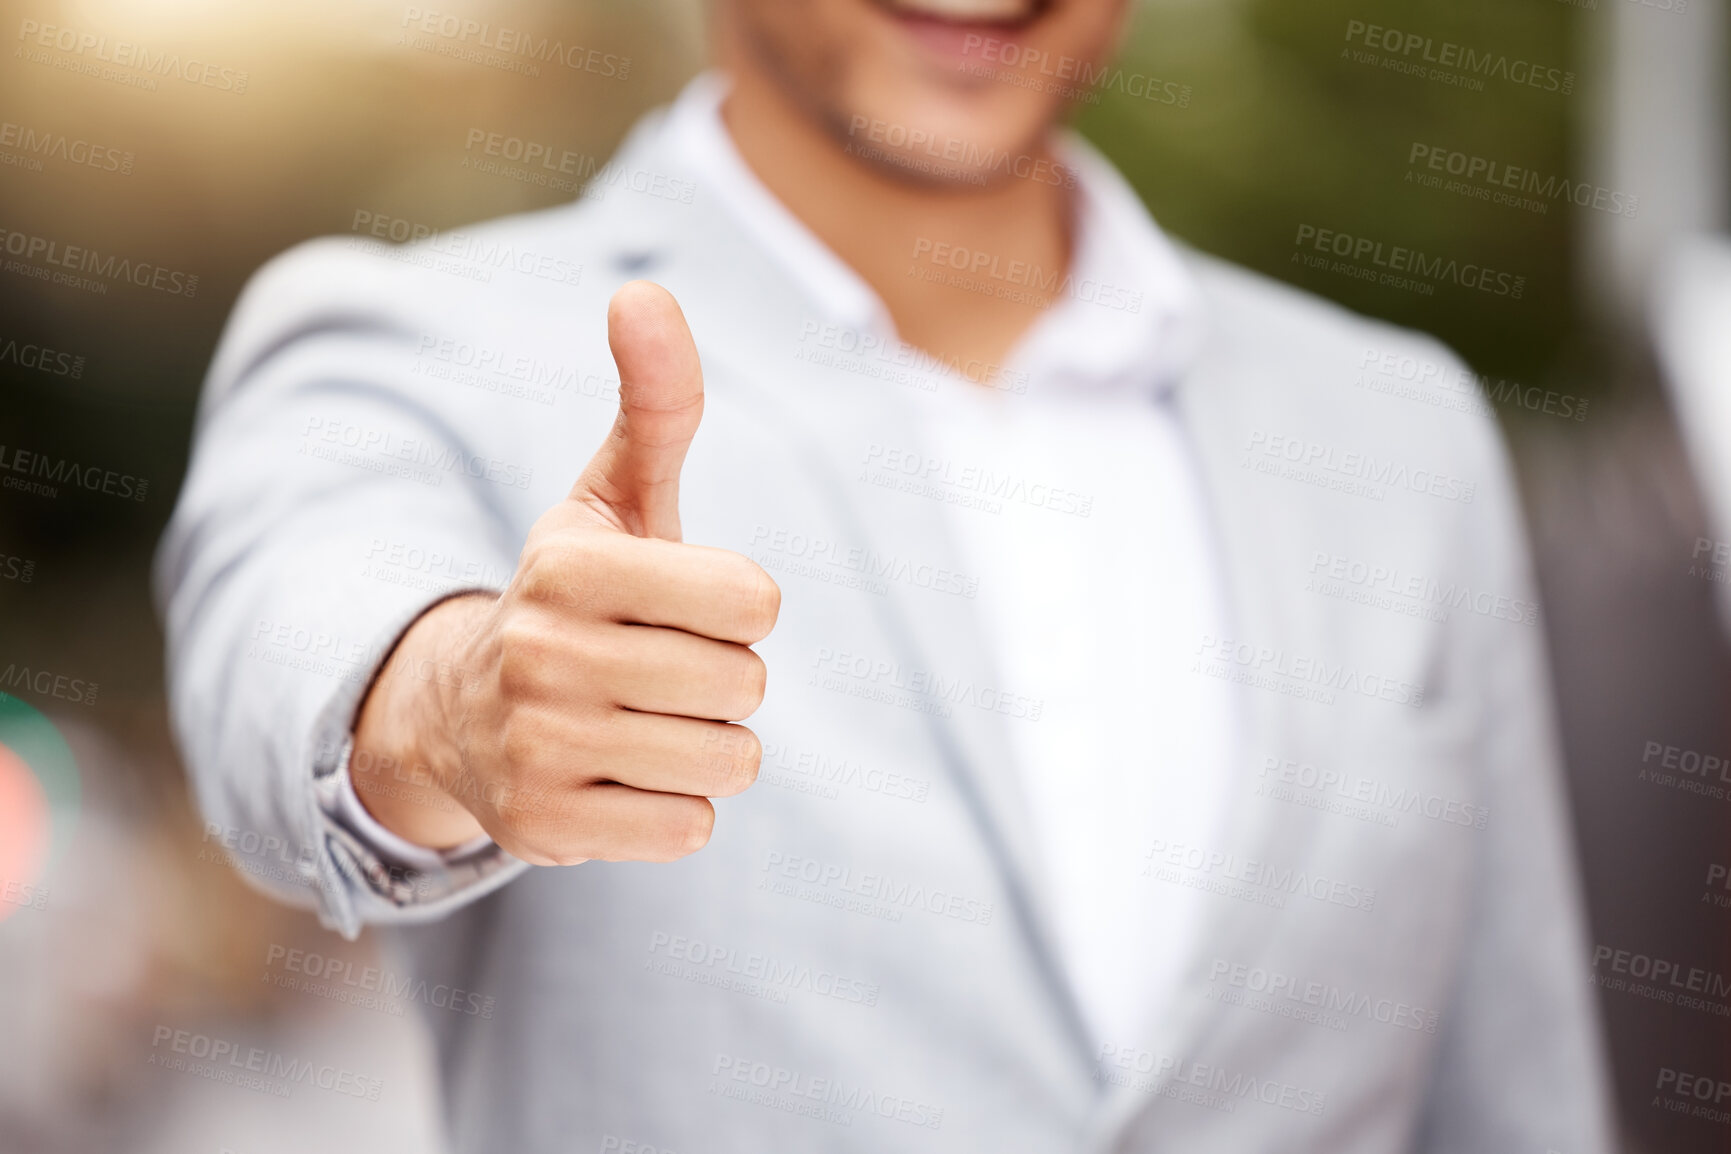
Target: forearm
405,767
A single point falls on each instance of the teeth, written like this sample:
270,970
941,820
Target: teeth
965,10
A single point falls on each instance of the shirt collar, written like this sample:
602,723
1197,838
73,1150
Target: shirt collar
1126,317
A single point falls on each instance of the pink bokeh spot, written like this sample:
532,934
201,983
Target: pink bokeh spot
23,831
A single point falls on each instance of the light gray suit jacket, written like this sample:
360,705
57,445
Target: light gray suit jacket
861,959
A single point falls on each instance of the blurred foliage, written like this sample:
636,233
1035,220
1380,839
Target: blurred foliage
1282,129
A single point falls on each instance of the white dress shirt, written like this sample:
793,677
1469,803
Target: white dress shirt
1098,615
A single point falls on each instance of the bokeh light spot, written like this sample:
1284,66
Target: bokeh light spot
24,831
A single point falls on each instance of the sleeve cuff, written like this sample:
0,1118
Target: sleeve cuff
402,874
352,814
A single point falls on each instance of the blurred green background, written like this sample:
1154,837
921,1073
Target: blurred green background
1283,130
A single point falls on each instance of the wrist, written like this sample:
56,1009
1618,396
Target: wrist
407,766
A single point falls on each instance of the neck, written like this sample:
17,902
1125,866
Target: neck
891,231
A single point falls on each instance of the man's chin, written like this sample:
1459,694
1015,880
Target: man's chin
920,171
934,158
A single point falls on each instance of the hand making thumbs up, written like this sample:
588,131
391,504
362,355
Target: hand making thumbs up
590,717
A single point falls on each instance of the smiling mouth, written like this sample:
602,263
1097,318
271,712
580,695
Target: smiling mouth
1003,12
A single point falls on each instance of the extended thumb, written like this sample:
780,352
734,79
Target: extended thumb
633,479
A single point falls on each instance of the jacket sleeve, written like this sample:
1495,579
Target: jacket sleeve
330,500
1521,1064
